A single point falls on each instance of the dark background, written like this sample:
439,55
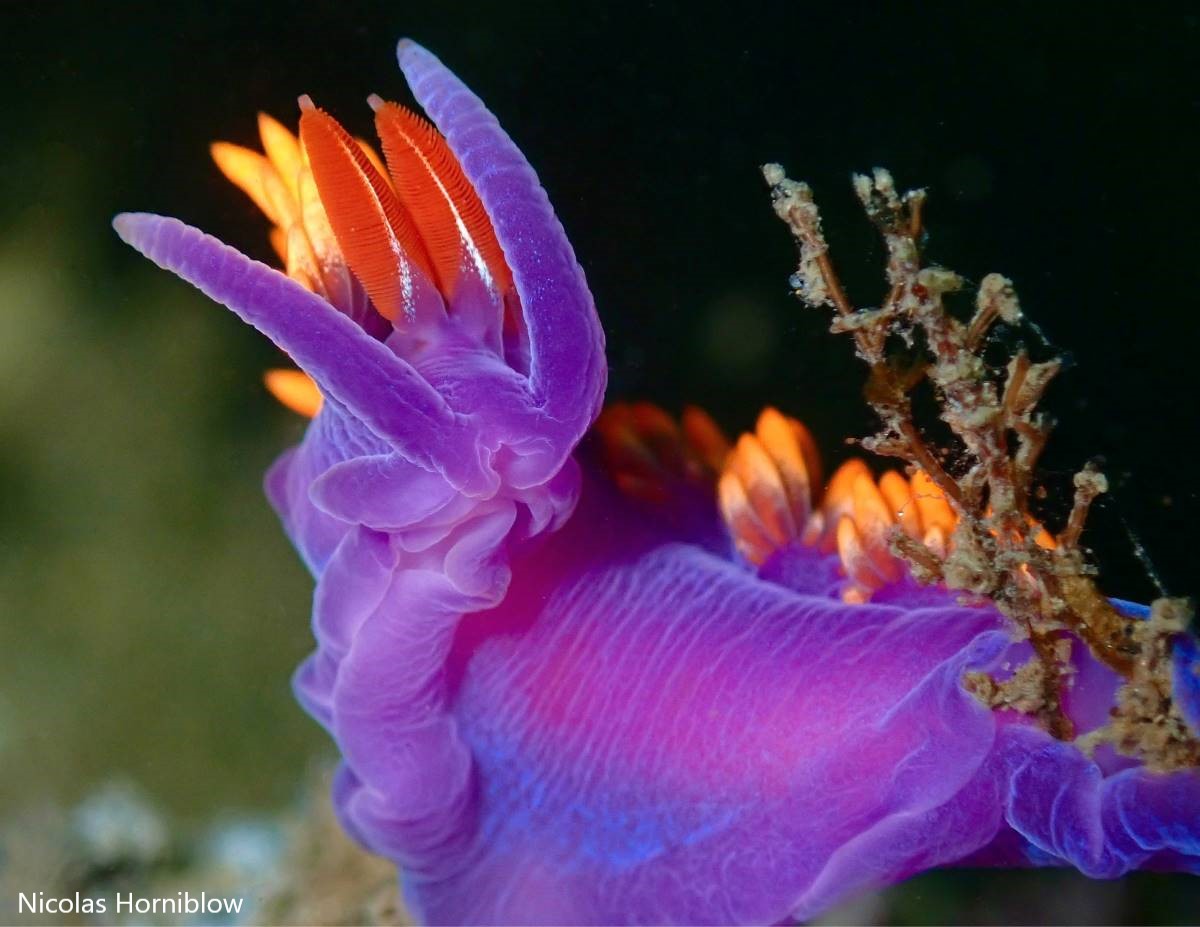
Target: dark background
1058,143
1057,140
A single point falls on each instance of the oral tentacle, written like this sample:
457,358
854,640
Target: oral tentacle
379,388
449,214
567,370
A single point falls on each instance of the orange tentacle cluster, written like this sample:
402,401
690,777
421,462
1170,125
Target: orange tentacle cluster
769,496
646,452
408,232
281,184
768,490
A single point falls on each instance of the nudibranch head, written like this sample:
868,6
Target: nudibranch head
448,257
658,676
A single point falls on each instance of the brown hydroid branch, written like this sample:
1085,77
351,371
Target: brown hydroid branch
1044,585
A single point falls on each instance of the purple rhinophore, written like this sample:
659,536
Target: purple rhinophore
554,709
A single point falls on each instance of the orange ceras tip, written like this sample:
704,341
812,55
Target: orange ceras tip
874,523
766,499
652,457
705,437
931,503
300,261
781,440
627,455
295,389
660,434
441,200
898,494
1041,537
839,498
935,539
855,560
255,176
283,151
764,489
279,242
765,493
748,533
378,237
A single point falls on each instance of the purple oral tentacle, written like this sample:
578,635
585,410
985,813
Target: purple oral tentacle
567,367
380,389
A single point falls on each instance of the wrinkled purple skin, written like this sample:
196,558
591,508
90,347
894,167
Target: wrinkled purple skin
556,706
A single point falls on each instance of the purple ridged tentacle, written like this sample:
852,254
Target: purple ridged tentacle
376,386
567,365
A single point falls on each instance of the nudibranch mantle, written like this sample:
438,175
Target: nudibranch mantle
646,678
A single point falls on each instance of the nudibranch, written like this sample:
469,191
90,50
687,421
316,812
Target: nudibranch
610,668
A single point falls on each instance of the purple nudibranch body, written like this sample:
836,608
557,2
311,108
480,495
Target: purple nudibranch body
552,707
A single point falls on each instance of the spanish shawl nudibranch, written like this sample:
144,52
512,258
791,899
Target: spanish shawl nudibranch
645,678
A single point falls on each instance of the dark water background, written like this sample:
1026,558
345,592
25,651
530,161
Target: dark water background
150,610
